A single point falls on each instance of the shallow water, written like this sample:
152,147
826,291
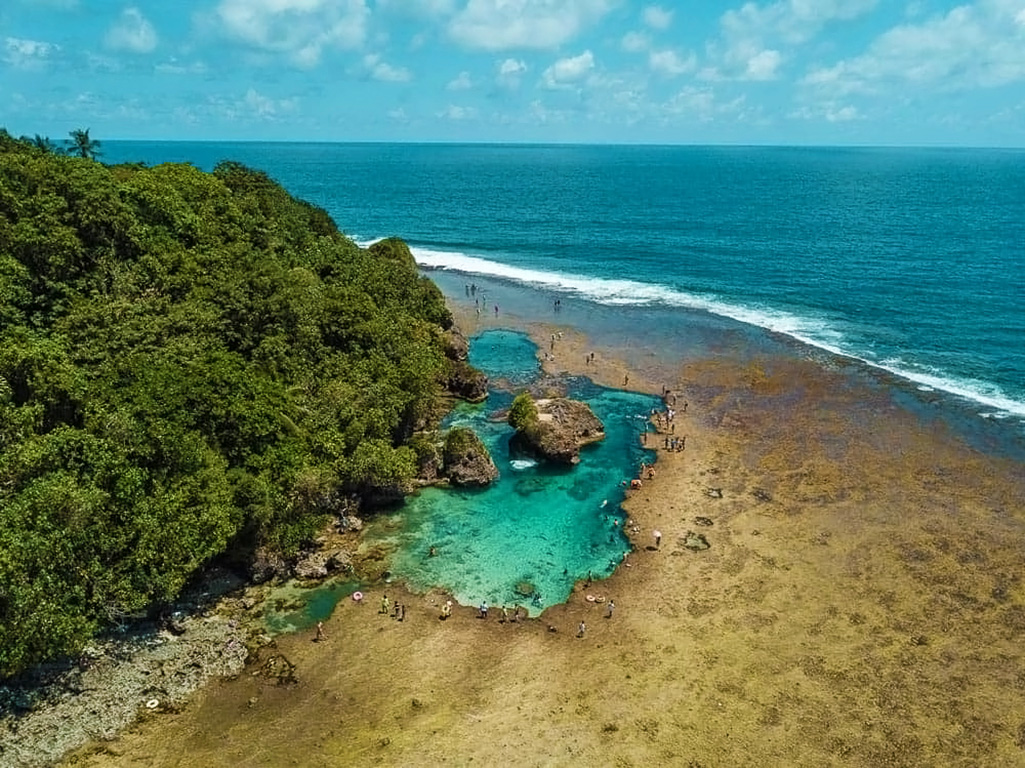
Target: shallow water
541,526
293,608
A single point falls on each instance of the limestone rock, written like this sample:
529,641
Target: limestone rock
466,459
466,382
456,345
562,428
266,565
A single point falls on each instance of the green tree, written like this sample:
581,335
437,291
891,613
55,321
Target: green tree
82,145
191,364
523,413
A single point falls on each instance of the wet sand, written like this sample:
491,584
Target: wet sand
861,604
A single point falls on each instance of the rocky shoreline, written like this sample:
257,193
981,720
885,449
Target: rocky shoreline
145,669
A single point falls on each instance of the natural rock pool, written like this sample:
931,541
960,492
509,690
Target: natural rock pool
538,526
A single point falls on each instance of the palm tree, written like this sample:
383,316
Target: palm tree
83,146
44,143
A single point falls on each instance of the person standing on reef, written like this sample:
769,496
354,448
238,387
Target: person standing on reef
626,379
483,609
496,310
610,609
446,609
658,538
402,612
320,632
581,629
385,604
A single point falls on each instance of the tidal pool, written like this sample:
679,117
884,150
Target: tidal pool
536,526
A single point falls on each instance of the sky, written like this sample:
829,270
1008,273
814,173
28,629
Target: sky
793,72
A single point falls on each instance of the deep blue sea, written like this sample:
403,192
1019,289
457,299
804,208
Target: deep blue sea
909,260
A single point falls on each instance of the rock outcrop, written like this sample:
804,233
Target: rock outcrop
466,459
456,345
557,430
466,382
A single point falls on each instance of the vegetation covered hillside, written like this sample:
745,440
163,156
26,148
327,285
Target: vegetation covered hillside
189,362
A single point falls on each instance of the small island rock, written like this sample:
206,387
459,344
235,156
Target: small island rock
554,429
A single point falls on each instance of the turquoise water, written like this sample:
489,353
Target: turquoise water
537,525
291,607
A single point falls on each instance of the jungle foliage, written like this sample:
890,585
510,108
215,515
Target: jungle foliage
190,363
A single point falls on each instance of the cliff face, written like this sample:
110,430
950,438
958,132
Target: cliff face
561,429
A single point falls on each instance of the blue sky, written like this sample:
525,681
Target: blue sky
788,72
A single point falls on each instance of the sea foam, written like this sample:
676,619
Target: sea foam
815,332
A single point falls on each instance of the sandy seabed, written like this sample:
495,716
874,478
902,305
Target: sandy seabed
861,604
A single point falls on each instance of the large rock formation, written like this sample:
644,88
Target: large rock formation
466,460
554,429
466,382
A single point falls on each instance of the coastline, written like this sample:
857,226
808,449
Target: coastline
859,604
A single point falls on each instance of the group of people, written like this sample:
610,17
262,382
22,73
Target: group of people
398,611
480,303
503,613
675,443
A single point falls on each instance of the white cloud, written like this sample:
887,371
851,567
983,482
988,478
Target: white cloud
27,54
701,103
794,21
635,42
566,72
509,73
830,112
264,107
299,29
512,67
174,67
386,73
462,82
656,17
748,48
763,65
398,115
418,8
453,112
132,32
670,64
971,46
496,25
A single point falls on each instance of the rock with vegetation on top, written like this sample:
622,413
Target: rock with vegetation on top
553,429
455,344
467,461
466,382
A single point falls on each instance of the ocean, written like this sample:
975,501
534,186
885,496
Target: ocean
910,262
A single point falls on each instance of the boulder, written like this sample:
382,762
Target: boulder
266,564
561,428
318,564
466,460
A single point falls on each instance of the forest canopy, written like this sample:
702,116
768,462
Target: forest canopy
189,362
